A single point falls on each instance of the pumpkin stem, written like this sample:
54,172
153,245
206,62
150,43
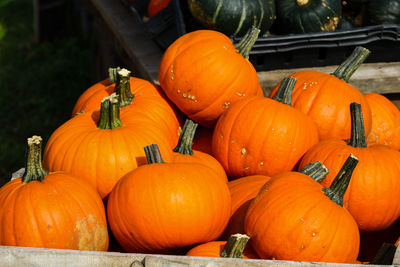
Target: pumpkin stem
123,88
33,165
234,246
247,42
316,170
357,127
351,64
186,138
302,2
113,74
109,113
153,154
342,180
285,91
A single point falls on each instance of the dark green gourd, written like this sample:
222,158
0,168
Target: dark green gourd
383,11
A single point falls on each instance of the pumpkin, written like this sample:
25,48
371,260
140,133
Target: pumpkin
375,180
385,121
203,73
203,139
264,136
101,147
156,6
134,93
294,218
183,152
235,247
379,12
234,17
51,209
304,16
171,205
326,97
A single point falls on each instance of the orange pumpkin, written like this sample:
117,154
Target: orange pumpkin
259,135
235,247
171,205
203,73
203,139
156,6
134,93
51,210
183,152
294,218
385,121
326,97
376,178
101,147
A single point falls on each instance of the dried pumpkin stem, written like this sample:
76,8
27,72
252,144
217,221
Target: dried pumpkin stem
285,91
33,166
153,154
246,44
342,180
109,113
113,74
357,127
351,64
123,88
234,246
186,138
316,170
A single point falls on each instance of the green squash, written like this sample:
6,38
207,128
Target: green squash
304,16
233,17
383,11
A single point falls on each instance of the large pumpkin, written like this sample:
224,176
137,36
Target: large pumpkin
164,206
294,218
370,197
259,135
101,147
203,73
51,209
326,97
233,17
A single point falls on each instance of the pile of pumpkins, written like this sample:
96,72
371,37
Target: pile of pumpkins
303,172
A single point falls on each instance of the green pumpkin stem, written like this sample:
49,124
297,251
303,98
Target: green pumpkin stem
123,88
285,91
33,165
247,42
351,64
316,170
109,113
357,138
113,74
186,138
153,154
342,180
234,246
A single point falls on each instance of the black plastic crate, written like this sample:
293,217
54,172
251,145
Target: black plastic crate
280,51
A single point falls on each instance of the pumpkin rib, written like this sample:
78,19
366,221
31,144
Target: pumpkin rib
11,204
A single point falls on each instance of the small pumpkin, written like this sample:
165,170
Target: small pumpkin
263,136
203,73
156,6
203,139
294,218
304,16
375,179
51,209
233,17
171,205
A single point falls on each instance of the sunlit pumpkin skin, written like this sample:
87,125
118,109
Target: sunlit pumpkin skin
375,180
102,156
243,191
214,248
259,135
385,128
203,73
292,219
61,211
156,6
171,205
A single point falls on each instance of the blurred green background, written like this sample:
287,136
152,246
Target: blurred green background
39,81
